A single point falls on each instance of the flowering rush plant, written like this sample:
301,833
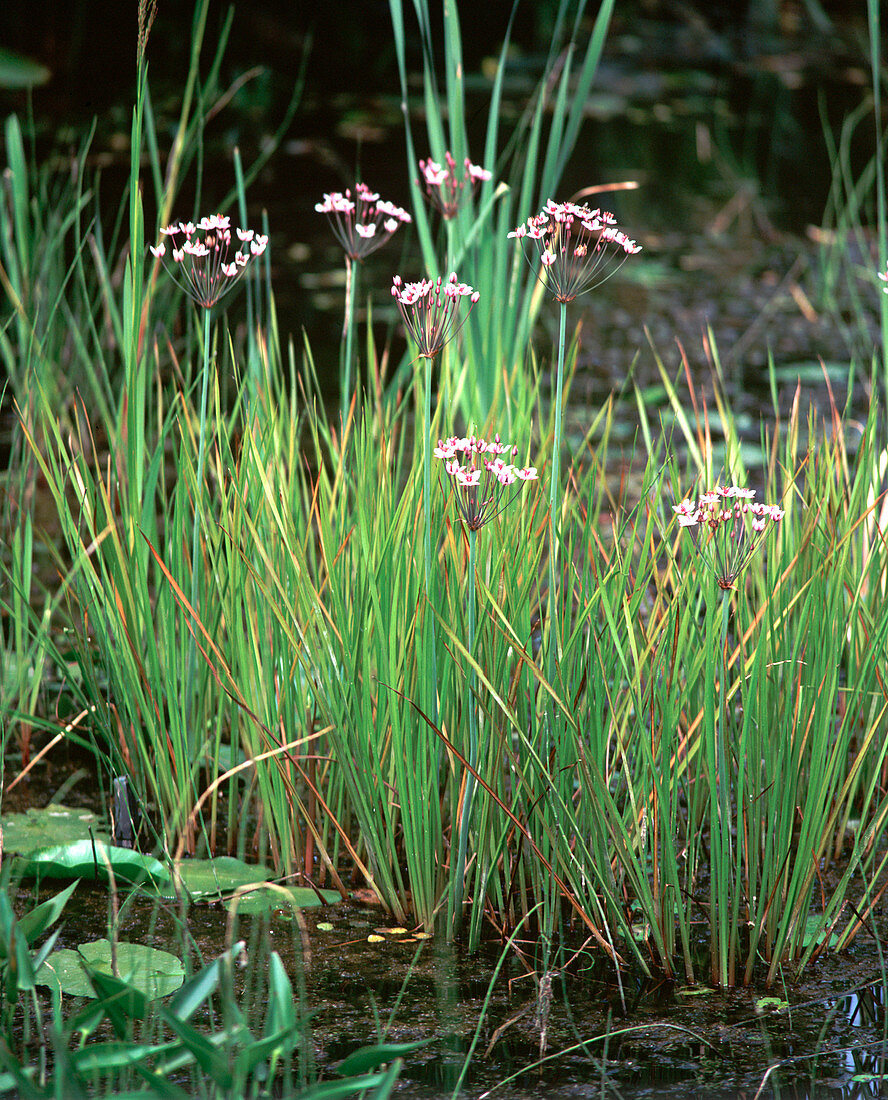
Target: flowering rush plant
883,275
444,187
485,483
202,260
578,247
431,310
727,527
362,222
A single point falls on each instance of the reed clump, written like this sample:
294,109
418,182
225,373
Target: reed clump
603,710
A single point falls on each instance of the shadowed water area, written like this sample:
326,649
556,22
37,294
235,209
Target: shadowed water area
721,125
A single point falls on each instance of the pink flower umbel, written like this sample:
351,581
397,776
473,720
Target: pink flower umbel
727,528
883,275
444,187
361,221
201,259
578,247
486,484
432,310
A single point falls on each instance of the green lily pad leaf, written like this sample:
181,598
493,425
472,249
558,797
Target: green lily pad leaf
211,878
269,899
152,972
814,931
24,833
770,1004
88,860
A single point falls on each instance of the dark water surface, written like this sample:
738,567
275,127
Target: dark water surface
820,1036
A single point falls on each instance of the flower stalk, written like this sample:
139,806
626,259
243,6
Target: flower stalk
203,260
432,314
362,223
727,527
578,249
483,488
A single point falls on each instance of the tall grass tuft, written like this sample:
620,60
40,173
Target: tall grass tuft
694,787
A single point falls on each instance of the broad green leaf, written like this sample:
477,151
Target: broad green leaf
339,1090
204,878
34,924
211,1060
369,1057
25,833
120,1001
89,860
202,985
101,1057
281,1013
268,899
260,1050
814,931
151,972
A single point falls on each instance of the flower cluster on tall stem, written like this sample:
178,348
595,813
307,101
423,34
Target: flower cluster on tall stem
205,264
201,259
578,248
361,221
486,484
431,310
432,315
727,527
445,188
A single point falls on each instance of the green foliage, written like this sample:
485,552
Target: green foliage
92,859
676,781
79,972
231,1060
52,825
527,166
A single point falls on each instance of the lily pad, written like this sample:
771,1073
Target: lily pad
268,899
25,833
212,878
152,972
814,931
89,860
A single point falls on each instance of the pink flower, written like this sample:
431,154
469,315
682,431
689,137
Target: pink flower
444,188
361,222
727,528
432,310
203,260
482,485
883,275
578,247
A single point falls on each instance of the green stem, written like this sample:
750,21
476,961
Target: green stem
465,813
430,656
198,500
427,473
348,332
555,509
722,933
